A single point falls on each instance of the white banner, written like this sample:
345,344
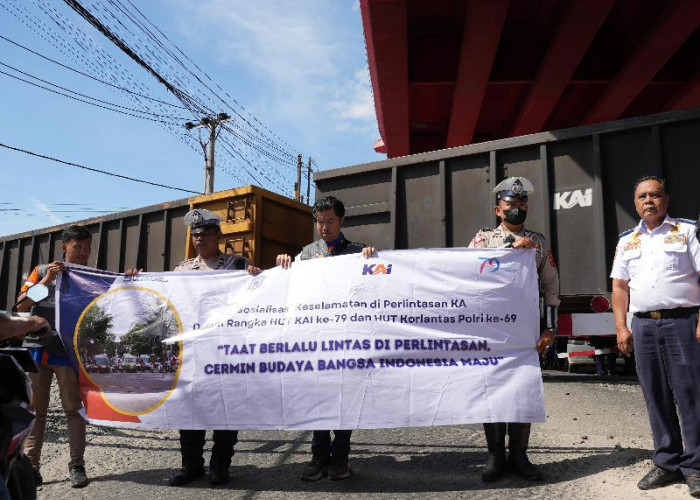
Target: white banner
410,338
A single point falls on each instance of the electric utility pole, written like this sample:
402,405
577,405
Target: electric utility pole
297,184
308,184
213,123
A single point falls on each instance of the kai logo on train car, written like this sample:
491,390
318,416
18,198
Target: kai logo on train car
376,269
491,262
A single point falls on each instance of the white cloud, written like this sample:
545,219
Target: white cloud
295,52
353,105
44,209
294,65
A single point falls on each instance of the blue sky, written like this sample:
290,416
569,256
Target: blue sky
299,67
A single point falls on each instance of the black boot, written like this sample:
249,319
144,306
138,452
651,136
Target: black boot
518,439
186,476
496,443
221,454
191,448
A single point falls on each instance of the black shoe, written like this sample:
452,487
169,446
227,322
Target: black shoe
78,477
218,475
494,468
316,468
658,477
521,465
693,481
338,469
185,476
38,480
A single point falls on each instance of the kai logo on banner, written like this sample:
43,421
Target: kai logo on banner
376,269
492,262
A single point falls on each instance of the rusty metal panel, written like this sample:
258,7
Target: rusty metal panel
470,201
625,157
12,272
25,261
178,236
368,199
43,247
257,223
132,237
111,243
153,242
680,156
418,223
283,230
574,226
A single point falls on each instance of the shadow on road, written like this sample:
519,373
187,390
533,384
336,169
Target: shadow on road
421,472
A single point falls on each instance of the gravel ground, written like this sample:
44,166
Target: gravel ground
596,443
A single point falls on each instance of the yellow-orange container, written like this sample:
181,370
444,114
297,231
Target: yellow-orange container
256,223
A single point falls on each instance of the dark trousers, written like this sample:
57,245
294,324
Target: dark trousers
605,363
192,448
518,437
668,367
340,447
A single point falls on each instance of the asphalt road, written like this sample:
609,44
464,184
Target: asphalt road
596,443
134,392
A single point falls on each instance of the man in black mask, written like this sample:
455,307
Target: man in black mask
511,209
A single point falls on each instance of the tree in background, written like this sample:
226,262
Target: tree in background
94,335
145,336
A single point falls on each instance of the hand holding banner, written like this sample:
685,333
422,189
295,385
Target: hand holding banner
409,338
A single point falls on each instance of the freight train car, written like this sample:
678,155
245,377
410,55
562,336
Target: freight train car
583,179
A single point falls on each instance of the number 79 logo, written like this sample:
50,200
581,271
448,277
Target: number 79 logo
492,262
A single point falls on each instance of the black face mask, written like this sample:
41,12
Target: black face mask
515,216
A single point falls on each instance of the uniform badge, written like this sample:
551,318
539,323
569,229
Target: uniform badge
675,238
197,217
517,187
478,239
632,245
551,260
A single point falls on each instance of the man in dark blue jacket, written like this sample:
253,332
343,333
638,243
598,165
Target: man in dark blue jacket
330,457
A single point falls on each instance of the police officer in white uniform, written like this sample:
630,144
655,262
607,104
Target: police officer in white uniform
511,208
655,276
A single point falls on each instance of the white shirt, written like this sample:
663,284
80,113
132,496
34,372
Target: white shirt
661,265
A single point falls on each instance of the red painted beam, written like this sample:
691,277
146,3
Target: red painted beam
482,31
680,19
688,96
574,34
386,33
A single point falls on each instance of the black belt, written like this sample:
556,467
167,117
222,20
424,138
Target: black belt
679,312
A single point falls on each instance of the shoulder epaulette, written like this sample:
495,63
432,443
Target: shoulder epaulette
625,233
687,221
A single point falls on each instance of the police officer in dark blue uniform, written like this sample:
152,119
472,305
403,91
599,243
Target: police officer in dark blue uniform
655,276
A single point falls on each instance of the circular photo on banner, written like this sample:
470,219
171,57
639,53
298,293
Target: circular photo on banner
118,342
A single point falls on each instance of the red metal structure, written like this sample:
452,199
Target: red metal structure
448,73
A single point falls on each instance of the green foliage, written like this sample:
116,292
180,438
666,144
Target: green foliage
145,337
94,335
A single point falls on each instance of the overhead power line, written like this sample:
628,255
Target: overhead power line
107,103
123,89
85,14
97,170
